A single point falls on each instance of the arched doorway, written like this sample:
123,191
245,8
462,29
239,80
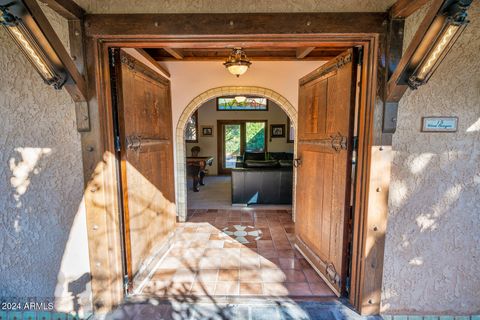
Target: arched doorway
180,148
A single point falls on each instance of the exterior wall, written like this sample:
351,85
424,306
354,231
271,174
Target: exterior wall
43,241
432,244
208,115
209,6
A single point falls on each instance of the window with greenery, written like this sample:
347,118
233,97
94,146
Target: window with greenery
191,130
242,104
255,136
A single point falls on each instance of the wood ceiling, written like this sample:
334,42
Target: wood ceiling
254,54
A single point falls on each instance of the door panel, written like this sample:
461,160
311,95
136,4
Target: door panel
146,159
326,108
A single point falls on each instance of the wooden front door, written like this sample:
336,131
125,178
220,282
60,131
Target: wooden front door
145,149
325,130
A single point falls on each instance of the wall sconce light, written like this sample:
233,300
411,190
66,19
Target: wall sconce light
19,23
237,63
440,37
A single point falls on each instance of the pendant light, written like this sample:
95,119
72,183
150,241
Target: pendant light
237,63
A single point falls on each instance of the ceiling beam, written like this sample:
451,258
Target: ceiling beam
303,52
404,8
143,56
176,53
66,8
397,85
76,84
154,26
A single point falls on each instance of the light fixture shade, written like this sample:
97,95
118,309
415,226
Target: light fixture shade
237,63
43,59
440,37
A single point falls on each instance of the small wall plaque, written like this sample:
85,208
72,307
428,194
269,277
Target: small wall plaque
439,124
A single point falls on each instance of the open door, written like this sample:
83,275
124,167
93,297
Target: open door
142,103
325,130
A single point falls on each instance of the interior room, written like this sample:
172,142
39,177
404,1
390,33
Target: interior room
234,135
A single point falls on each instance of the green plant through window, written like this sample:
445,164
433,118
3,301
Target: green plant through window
255,136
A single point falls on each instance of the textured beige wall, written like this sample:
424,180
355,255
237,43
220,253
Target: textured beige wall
208,115
223,6
43,241
432,246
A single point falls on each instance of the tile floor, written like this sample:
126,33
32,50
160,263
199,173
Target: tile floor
235,253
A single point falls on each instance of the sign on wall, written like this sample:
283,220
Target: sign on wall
439,124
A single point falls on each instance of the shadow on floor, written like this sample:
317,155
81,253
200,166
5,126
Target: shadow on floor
246,308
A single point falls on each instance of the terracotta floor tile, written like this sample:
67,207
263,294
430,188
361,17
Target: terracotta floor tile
269,263
312,276
320,289
184,275
207,275
268,253
225,288
170,263
251,288
229,275
209,263
203,288
164,274
214,243
251,275
274,289
265,245
286,253
298,289
250,262
273,275
178,288
294,276
290,263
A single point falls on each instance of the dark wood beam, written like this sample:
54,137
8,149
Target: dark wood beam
76,84
397,85
404,8
176,53
303,52
66,8
151,26
147,59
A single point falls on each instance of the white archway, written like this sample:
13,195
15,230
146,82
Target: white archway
180,148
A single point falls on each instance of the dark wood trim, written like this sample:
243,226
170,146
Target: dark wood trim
195,114
176,53
303,52
106,283
149,58
76,85
404,8
396,85
151,26
66,8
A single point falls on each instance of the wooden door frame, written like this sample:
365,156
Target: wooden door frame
220,150
99,148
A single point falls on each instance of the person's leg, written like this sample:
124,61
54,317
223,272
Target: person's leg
202,175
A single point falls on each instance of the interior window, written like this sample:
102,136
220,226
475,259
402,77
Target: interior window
191,131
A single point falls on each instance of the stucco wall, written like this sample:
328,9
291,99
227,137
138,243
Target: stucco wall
432,247
43,241
222,6
208,115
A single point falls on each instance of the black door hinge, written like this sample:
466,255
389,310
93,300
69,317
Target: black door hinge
117,143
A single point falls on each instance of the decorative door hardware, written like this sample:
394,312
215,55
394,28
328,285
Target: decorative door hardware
339,142
136,142
297,162
332,274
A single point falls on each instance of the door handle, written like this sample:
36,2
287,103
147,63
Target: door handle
297,162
